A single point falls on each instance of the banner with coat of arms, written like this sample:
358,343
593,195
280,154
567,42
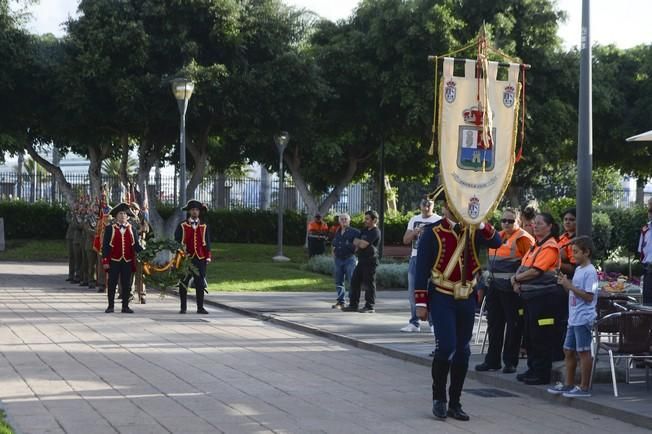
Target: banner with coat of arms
477,136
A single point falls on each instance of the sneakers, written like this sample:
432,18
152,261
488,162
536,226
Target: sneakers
350,308
577,392
367,309
339,305
560,388
411,328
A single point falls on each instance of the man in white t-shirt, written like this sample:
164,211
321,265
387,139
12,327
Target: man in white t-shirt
414,228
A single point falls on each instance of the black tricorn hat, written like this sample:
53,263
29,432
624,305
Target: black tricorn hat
192,203
439,195
121,207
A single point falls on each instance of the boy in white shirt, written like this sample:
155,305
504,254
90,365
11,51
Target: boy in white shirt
582,298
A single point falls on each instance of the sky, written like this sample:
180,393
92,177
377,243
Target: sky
624,23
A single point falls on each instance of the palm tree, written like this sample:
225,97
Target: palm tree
111,168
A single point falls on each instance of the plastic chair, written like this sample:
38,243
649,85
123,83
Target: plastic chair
633,341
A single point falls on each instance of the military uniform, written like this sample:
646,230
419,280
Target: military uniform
71,252
119,248
141,228
195,236
447,264
90,228
76,245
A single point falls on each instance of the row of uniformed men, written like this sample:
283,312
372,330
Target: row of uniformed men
84,241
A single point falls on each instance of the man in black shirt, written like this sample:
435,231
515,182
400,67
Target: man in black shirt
366,249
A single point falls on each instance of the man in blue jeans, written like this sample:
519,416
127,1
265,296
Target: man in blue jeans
411,236
345,261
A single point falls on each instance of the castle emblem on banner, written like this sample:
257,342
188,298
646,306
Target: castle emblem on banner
509,96
450,91
474,207
472,152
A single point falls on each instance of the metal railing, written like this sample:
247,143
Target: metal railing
218,192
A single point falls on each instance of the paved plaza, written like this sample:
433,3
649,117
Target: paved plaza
66,367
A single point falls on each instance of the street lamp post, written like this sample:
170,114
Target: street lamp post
182,90
585,127
281,140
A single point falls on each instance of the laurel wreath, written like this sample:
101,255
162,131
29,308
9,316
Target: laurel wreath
170,274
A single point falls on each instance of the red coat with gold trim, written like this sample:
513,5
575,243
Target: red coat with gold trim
117,246
196,238
437,246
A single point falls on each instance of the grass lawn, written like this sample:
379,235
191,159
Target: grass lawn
32,250
4,426
235,267
249,267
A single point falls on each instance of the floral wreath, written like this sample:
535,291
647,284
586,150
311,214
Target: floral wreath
170,274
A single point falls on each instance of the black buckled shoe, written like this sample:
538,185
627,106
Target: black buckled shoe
109,309
509,369
456,412
485,367
126,310
202,311
439,409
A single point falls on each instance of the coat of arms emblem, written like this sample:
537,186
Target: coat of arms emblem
474,207
450,91
509,96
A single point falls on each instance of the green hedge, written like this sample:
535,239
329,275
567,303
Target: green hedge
38,220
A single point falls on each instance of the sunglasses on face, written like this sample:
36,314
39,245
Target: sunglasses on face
508,221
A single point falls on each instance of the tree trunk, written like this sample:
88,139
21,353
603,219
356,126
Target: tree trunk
265,192
199,152
66,188
220,184
124,160
310,199
390,197
56,159
19,175
95,170
640,190
513,194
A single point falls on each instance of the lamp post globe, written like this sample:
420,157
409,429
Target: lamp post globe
182,89
281,140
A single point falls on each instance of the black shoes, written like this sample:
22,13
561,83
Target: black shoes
523,375
456,412
509,369
535,381
367,309
109,309
439,409
202,311
484,367
126,310
350,308
182,311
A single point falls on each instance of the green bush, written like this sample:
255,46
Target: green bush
556,207
40,220
388,275
626,227
601,234
256,226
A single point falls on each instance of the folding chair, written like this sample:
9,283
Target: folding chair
633,341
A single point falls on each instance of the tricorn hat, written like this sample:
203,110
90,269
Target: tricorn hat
192,203
121,207
438,195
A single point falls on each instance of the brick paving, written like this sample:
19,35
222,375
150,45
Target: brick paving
66,367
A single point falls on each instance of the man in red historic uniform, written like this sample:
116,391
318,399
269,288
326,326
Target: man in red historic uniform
119,248
446,271
193,233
